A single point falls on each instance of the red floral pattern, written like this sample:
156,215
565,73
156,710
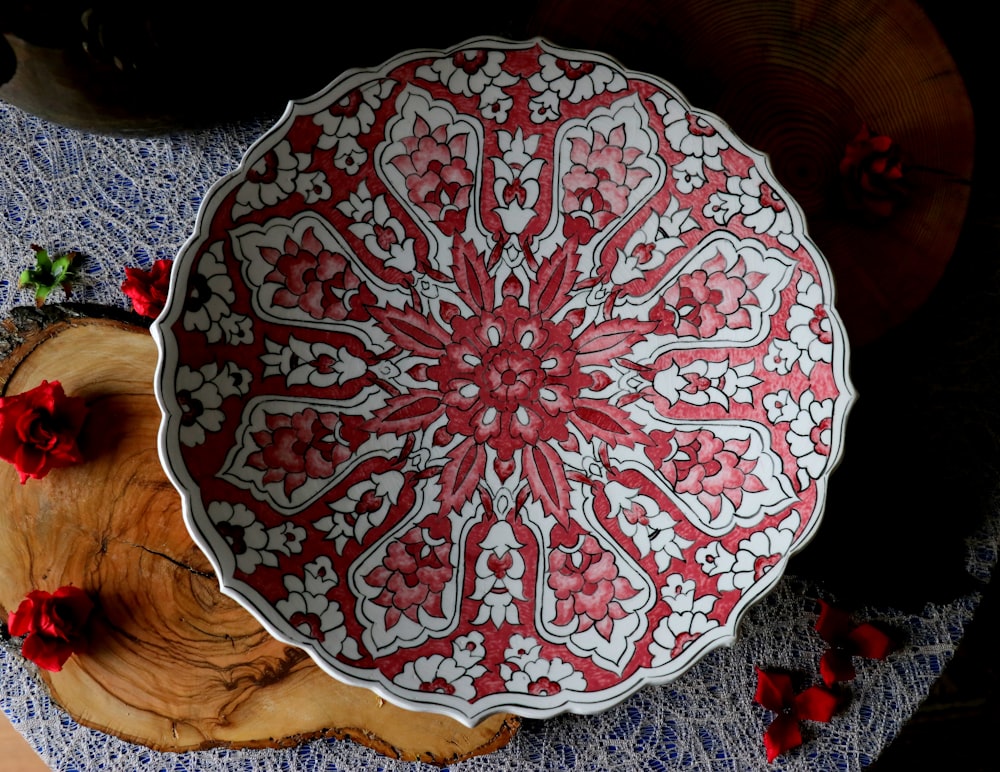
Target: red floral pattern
598,185
708,300
309,444
412,576
437,177
512,379
588,586
319,281
705,466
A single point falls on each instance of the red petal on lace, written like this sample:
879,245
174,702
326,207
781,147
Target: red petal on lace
774,690
871,642
832,623
782,735
834,667
863,640
816,704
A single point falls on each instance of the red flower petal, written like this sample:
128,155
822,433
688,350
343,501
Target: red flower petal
834,666
816,704
148,289
20,621
871,642
47,653
832,623
847,640
783,734
774,690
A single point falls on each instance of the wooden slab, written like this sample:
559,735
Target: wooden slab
173,664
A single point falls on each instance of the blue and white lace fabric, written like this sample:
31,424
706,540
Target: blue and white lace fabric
129,201
119,201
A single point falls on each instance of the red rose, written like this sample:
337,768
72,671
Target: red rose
39,429
147,289
53,623
872,174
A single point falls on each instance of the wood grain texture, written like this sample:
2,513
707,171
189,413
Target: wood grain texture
172,663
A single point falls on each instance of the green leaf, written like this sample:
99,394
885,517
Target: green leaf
48,274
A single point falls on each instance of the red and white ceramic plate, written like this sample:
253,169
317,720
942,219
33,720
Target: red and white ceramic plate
501,379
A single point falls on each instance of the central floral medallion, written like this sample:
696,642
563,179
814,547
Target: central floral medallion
511,379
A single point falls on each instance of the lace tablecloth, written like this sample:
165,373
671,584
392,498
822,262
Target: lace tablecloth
128,201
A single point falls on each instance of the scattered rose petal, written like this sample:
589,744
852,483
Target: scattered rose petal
847,640
776,693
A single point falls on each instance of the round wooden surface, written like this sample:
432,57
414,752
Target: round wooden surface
172,663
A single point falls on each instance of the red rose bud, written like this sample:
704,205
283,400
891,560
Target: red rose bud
54,624
39,429
147,289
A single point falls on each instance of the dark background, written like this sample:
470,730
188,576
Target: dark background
921,467
957,726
